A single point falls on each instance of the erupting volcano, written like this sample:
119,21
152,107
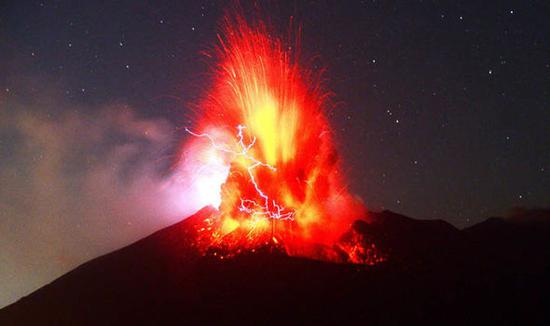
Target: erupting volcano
121,206
263,124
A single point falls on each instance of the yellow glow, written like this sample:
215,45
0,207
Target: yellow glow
229,225
275,129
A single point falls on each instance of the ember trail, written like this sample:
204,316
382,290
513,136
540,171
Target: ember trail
284,184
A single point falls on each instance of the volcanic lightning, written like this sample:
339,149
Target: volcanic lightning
284,184
249,206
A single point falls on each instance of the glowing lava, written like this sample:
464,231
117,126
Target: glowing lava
264,118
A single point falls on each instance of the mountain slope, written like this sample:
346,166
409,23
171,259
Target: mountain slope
435,274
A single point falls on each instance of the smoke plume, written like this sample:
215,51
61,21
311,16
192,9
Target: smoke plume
79,182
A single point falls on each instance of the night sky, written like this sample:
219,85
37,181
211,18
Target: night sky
440,110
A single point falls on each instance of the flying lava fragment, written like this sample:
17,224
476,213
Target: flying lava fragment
262,123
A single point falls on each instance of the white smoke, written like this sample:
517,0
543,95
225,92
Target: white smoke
77,185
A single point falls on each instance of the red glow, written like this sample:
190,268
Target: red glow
264,116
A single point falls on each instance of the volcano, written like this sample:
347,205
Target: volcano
288,242
496,272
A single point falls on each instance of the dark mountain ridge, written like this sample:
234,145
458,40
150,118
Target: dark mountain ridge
496,272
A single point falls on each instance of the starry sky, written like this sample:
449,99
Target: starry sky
441,110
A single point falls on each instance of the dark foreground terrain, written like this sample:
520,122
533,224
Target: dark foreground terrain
496,272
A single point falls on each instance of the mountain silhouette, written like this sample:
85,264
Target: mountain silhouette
495,272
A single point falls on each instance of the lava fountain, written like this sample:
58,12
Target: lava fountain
263,122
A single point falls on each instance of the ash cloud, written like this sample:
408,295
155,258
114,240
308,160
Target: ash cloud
77,185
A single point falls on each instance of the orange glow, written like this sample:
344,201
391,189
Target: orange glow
265,114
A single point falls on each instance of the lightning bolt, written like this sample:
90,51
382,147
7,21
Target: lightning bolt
270,208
